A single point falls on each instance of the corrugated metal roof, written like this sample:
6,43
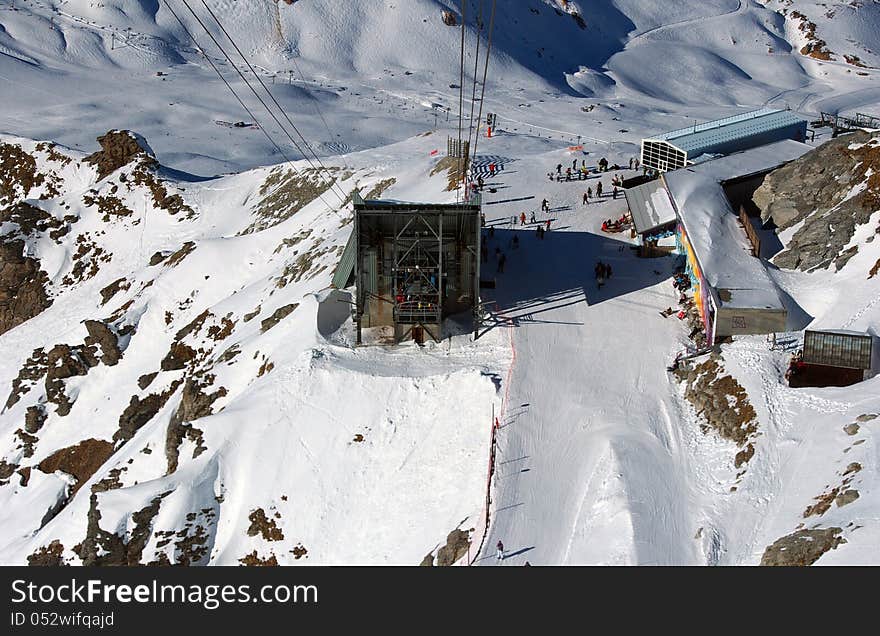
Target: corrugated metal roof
650,206
755,161
837,349
345,268
711,133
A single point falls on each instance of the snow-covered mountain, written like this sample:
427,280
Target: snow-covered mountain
179,384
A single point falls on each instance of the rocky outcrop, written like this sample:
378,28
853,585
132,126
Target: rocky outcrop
118,148
723,404
140,411
103,548
264,526
280,314
101,335
831,190
194,404
80,461
457,544
802,548
48,556
65,362
22,286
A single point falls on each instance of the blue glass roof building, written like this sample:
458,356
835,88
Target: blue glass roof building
679,148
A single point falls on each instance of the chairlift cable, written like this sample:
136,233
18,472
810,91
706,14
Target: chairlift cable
332,180
232,90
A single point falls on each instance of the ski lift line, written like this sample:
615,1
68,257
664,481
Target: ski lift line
332,181
232,90
485,74
476,65
245,107
562,132
314,99
461,88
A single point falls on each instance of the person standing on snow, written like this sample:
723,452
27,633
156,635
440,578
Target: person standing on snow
545,206
522,218
574,164
599,189
559,168
499,550
586,199
533,220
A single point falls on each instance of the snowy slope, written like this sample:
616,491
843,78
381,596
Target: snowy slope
239,448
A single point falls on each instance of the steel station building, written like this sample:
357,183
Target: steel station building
686,146
413,265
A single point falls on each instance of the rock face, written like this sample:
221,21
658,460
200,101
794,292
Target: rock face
103,548
803,547
22,286
194,404
118,148
101,335
457,544
832,190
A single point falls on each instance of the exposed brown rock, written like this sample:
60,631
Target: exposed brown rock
22,286
178,357
457,544
280,314
262,525
802,548
120,284
102,548
30,373
140,411
146,380
253,560
194,404
34,418
80,461
48,556
118,148
101,335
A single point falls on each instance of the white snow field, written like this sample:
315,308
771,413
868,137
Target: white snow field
288,445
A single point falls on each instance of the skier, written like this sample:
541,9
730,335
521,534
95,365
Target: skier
533,220
586,199
599,189
499,550
583,164
559,168
589,194
492,169
545,206
522,218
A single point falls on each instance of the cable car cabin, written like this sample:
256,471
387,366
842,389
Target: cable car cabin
415,265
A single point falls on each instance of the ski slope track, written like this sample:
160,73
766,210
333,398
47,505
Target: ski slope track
179,381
